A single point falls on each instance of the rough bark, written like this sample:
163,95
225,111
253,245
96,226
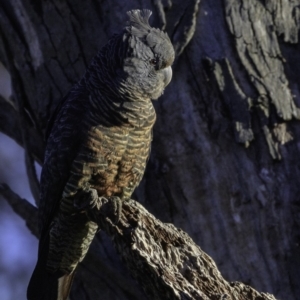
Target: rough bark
164,260
224,164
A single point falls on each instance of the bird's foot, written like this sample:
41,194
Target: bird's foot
86,198
89,201
111,208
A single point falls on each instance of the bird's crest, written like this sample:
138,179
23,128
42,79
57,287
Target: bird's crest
138,24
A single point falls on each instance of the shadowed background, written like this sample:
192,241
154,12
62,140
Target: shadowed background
18,247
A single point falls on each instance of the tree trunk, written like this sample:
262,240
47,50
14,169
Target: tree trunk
224,163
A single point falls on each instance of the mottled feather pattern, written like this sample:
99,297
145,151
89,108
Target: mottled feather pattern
69,247
62,146
99,141
112,157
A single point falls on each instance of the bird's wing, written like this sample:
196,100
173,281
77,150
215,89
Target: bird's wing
54,115
62,147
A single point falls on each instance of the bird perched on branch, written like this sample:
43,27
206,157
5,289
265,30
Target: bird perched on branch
98,147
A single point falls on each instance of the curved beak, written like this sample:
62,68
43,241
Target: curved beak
168,75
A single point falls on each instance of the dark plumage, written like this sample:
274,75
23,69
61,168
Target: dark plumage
99,142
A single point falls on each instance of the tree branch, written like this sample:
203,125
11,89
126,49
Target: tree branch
162,258
165,260
21,207
9,122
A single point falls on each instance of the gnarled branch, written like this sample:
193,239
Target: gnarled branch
162,258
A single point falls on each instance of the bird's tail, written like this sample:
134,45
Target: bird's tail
49,286
45,285
60,250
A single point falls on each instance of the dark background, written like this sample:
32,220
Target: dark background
18,247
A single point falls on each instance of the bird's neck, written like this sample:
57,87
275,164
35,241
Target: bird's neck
119,111
113,101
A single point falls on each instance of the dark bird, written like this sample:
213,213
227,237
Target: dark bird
99,144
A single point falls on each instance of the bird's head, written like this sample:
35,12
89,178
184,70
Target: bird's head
148,58
133,65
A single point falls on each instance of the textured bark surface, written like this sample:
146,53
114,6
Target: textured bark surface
164,260
224,165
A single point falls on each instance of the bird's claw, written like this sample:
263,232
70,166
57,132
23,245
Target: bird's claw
117,209
111,208
89,201
86,198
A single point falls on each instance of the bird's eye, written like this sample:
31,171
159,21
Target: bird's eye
153,61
